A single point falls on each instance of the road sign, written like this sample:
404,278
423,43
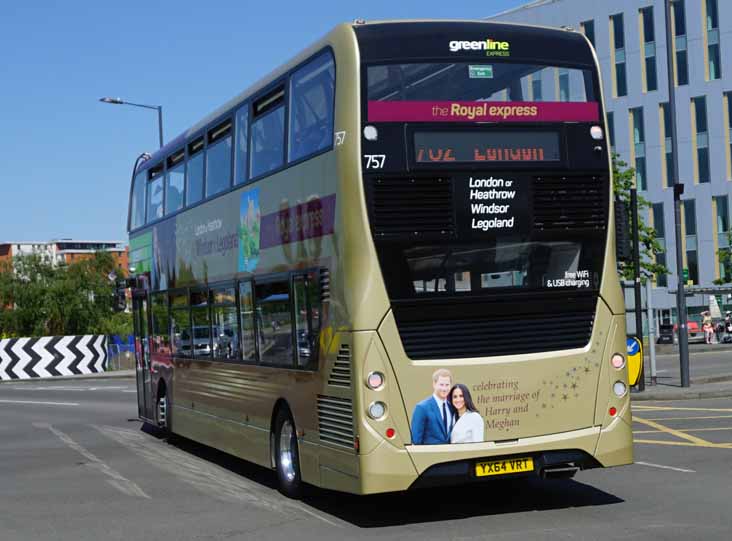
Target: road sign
635,359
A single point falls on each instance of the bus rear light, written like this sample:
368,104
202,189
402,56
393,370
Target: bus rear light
612,411
619,388
390,433
617,361
377,410
596,133
375,380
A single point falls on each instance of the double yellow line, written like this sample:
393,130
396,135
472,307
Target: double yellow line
686,438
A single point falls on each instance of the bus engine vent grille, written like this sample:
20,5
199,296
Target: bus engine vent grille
412,207
487,337
340,374
335,420
570,203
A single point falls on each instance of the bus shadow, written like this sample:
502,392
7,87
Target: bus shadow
501,496
458,502
238,466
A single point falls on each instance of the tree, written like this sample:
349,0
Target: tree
38,298
725,261
623,181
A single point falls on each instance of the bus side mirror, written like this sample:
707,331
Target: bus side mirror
623,250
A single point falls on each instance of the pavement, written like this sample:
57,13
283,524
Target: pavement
710,368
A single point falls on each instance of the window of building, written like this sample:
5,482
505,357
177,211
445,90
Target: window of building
536,87
648,49
588,27
137,210
639,147
267,146
667,144
714,66
194,172
679,23
611,129
155,192
618,48
563,84
312,90
225,325
721,206
274,323
242,144
691,241
701,139
175,182
659,226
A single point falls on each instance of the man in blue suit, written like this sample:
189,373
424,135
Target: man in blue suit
432,419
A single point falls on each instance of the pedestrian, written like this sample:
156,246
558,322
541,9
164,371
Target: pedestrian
708,327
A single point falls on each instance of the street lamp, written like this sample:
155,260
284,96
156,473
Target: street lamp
678,190
119,101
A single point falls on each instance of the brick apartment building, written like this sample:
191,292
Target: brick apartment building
65,251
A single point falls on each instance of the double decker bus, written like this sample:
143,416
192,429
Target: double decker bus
391,264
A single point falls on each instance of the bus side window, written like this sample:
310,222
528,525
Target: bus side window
225,328
160,324
155,194
267,138
274,323
306,293
180,324
246,315
311,108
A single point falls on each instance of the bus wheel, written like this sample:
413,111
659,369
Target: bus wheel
287,458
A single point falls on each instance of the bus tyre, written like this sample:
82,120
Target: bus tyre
287,458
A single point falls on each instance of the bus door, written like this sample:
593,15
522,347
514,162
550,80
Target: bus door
141,318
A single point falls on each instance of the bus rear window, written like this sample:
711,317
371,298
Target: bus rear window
465,81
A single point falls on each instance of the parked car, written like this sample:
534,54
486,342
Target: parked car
694,329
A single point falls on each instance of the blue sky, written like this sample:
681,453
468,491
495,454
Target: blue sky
66,158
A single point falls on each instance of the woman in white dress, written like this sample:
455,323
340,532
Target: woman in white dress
468,427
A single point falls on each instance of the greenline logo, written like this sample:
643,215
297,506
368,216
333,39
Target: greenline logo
490,46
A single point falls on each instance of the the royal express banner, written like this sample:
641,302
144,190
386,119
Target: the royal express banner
482,111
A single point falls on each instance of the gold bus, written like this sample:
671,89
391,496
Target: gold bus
390,264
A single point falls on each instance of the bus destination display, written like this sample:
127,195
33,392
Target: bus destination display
483,146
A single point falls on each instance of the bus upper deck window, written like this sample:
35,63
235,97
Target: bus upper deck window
311,108
267,143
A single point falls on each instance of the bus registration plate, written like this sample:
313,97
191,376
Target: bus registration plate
504,467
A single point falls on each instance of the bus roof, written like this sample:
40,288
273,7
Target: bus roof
414,39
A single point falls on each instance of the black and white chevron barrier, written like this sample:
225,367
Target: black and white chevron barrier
49,356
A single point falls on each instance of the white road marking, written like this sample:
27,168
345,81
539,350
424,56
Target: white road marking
39,403
116,479
214,480
312,513
650,464
203,475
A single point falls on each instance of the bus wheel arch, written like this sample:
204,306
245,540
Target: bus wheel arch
284,451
